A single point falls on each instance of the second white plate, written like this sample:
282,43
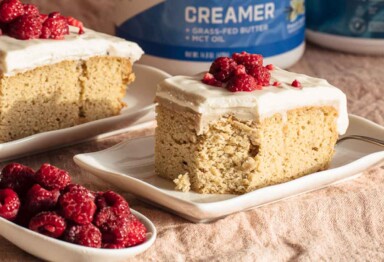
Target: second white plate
130,166
140,99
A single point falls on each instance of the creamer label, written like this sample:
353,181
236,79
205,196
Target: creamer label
196,30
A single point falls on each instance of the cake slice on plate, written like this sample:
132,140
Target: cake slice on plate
57,74
243,126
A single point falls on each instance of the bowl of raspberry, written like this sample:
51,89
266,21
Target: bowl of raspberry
45,214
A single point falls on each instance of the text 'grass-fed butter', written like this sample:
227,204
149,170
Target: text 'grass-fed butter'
232,14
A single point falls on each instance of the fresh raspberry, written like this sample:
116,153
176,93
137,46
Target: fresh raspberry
48,223
296,84
239,70
55,27
238,57
242,82
30,9
26,27
4,28
9,204
270,67
79,188
120,231
209,79
107,215
75,187
113,200
261,75
111,245
248,60
78,206
52,177
40,199
137,232
114,227
76,23
252,60
276,83
85,235
43,17
10,10
17,177
23,216
115,232
222,68
55,15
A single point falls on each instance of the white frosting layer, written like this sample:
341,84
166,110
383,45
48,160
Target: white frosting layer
209,101
21,55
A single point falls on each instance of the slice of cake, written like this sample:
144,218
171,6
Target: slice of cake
55,75
245,126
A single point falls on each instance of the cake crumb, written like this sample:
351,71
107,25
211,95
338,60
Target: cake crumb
182,183
249,164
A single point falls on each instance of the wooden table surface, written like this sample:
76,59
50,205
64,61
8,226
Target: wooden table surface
362,79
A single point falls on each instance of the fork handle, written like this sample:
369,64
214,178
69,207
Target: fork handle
363,138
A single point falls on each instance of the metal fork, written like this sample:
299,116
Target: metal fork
368,139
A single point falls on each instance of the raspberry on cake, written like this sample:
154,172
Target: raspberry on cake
54,73
263,126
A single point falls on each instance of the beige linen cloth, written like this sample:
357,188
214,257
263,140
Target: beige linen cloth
343,222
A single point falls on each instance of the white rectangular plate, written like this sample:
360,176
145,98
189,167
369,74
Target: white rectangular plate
130,166
140,100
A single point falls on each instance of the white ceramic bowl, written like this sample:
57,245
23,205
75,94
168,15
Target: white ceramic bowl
51,249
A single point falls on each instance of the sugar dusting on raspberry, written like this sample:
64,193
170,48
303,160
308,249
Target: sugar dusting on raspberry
242,72
24,21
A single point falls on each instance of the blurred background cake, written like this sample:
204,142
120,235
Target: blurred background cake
57,74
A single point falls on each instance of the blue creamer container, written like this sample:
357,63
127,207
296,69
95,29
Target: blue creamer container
347,25
184,36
